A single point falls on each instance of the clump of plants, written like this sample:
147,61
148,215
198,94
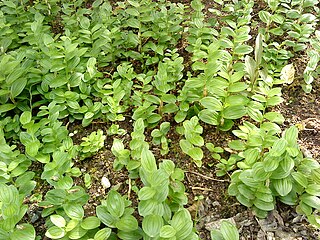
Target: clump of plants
158,67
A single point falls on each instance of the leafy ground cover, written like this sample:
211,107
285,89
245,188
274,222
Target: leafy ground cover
159,119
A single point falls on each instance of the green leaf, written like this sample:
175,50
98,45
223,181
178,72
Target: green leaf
234,112
102,234
283,186
300,178
279,147
77,233
211,103
127,223
146,193
313,189
243,200
265,206
8,194
55,232
209,116
23,231
237,87
146,207
106,217
242,49
167,232
74,211
311,201
275,100
196,153
148,161
274,117
71,225
265,17
152,225
6,107
229,231
25,117
291,135
32,147
182,223
91,66
270,163
91,222
250,67
115,204
134,23
58,220
216,235
84,22
237,145
18,86
255,114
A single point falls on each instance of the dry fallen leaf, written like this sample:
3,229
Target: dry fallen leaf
287,73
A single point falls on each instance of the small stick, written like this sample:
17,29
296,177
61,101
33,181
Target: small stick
203,189
129,190
206,177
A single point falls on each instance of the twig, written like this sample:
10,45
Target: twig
129,190
206,177
203,189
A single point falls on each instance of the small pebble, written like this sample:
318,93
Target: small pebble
105,182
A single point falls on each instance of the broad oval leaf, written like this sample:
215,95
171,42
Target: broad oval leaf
311,201
127,223
283,186
55,232
74,211
91,222
148,161
23,232
115,204
211,103
300,178
209,116
234,112
102,234
146,193
167,231
58,220
152,225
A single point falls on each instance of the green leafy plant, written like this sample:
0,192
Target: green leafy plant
191,129
159,137
148,63
92,144
75,228
12,212
278,172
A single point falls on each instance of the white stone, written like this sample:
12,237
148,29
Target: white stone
105,182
